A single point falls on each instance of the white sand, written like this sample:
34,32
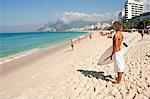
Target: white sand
76,75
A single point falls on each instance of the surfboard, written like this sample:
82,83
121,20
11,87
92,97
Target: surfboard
127,43
106,57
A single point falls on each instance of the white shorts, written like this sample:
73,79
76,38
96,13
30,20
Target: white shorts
119,63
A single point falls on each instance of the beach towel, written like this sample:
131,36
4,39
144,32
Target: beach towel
119,63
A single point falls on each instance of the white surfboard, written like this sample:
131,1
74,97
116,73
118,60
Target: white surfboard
106,57
127,43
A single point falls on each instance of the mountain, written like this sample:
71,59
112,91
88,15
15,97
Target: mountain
80,24
58,26
61,26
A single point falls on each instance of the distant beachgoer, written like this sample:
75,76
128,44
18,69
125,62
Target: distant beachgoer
79,39
117,54
142,33
72,44
90,35
102,33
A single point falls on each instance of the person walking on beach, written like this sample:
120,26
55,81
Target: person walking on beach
117,54
72,44
79,39
142,33
90,35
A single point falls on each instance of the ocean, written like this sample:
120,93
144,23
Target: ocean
13,43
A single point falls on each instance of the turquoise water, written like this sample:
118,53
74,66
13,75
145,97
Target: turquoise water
12,43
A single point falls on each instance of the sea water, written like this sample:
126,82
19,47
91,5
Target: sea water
13,43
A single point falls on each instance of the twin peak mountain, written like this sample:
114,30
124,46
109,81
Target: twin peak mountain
61,26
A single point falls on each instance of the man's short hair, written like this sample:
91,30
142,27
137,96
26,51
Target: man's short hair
117,25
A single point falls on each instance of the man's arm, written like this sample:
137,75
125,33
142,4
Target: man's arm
115,45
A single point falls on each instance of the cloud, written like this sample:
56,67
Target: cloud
94,17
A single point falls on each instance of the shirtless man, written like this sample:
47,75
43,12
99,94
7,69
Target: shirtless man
117,54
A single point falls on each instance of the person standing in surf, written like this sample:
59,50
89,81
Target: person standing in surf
117,54
72,45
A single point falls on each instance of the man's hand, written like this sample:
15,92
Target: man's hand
112,56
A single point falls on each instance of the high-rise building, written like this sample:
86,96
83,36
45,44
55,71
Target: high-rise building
121,15
146,5
133,8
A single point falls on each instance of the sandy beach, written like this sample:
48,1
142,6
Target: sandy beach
67,74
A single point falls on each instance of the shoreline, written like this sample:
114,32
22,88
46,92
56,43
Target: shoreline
32,57
28,51
19,54
41,46
13,62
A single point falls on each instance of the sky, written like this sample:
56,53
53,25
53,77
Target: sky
29,15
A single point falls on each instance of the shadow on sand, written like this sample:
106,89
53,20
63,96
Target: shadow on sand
97,75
